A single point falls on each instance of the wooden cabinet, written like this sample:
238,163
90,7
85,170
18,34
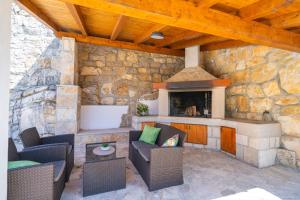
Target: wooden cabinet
147,123
196,134
228,141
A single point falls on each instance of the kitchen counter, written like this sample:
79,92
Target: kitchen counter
256,141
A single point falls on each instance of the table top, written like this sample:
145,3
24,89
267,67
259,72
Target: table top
93,154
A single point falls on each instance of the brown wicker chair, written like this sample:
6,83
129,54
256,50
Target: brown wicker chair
159,167
42,181
31,138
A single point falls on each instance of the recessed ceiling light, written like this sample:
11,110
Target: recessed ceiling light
157,36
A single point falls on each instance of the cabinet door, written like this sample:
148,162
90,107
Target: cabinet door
147,123
198,134
228,142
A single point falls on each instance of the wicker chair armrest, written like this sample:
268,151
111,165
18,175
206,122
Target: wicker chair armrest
34,182
69,138
45,153
134,135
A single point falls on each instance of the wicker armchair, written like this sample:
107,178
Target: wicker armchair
31,138
42,181
159,167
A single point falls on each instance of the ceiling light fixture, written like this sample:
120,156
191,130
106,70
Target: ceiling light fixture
157,36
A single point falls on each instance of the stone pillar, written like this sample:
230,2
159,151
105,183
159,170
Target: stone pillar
68,95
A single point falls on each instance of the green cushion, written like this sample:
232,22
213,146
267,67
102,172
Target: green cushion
21,163
149,134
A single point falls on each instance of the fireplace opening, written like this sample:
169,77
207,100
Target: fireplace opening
190,104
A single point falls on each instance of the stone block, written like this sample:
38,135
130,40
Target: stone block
242,139
290,110
216,132
259,143
66,114
255,91
271,88
267,158
291,143
264,72
211,143
240,152
240,77
66,128
250,155
107,101
272,142
106,89
290,125
287,100
290,78
242,103
260,105
238,90
286,157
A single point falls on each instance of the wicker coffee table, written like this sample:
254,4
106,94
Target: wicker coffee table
103,173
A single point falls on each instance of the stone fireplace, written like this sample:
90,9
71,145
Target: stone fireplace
192,92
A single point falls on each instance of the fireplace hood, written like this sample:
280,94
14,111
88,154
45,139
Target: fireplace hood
193,76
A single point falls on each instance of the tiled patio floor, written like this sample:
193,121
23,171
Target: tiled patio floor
207,175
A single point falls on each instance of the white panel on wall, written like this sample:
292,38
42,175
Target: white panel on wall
153,106
101,116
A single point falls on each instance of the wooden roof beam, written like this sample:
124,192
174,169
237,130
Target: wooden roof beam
184,14
223,45
263,8
76,13
186,35
148,33
120,44
197,41
207,3
37,13
286,21
118,27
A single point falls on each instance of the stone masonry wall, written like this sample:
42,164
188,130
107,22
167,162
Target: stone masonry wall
263,79
112,76
33,79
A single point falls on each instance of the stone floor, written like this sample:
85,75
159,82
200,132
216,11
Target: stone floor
207,175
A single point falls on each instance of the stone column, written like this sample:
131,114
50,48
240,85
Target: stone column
68,92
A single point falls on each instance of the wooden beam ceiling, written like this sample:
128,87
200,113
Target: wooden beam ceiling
197,41
207,3
286,21
263,8
76,13
36,12
147,33
223,45
118,27
184,14
186,35
120,44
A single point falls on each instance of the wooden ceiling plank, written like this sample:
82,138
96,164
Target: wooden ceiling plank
76,14
119,44
286,21
197,41
118,27
184,14
186,35
207,3
223,45
147,33
37,13
263,8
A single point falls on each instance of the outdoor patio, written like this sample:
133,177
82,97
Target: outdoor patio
207,175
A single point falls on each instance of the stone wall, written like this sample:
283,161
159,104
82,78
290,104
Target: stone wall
263,79
112,76
33,80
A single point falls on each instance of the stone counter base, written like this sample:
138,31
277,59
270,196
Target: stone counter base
256,144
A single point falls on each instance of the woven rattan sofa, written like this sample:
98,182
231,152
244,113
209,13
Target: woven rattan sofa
31,138
159,167
37,182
